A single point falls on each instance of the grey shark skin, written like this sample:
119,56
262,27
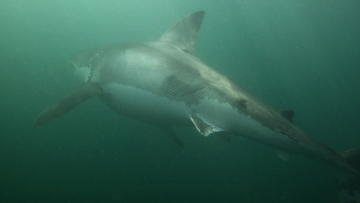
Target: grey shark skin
163,83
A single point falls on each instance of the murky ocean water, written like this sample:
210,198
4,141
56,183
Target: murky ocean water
294,54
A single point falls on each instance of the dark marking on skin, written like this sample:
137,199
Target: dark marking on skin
267,118
186,51
242,103
177,88
289,136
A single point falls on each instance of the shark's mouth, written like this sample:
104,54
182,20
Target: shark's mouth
85,72
93,63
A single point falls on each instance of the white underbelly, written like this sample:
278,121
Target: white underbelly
146,106
222,116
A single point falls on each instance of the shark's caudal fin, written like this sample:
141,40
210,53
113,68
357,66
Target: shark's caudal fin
67,103
348,183
183,34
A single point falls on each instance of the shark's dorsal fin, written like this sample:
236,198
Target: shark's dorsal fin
183,34
288,114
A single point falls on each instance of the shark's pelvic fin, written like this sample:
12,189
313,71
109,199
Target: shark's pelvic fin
168,130
67,103
288,114
203,127
282,155
183,34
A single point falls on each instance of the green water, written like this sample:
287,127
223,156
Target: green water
294,54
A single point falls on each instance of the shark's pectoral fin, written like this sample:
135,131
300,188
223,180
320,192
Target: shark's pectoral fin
168,130
203,127
282,155
67,103
288,114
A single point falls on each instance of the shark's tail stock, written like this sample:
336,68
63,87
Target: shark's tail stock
348,182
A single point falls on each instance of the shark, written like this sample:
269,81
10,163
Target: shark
163,83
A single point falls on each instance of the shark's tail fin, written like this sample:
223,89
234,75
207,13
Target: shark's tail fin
348,182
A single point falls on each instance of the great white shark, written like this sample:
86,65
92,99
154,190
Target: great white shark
162,83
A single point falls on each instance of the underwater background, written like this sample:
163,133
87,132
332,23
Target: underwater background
302,55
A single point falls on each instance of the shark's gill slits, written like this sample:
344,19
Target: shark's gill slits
177,88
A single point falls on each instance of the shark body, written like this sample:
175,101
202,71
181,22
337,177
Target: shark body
164,84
